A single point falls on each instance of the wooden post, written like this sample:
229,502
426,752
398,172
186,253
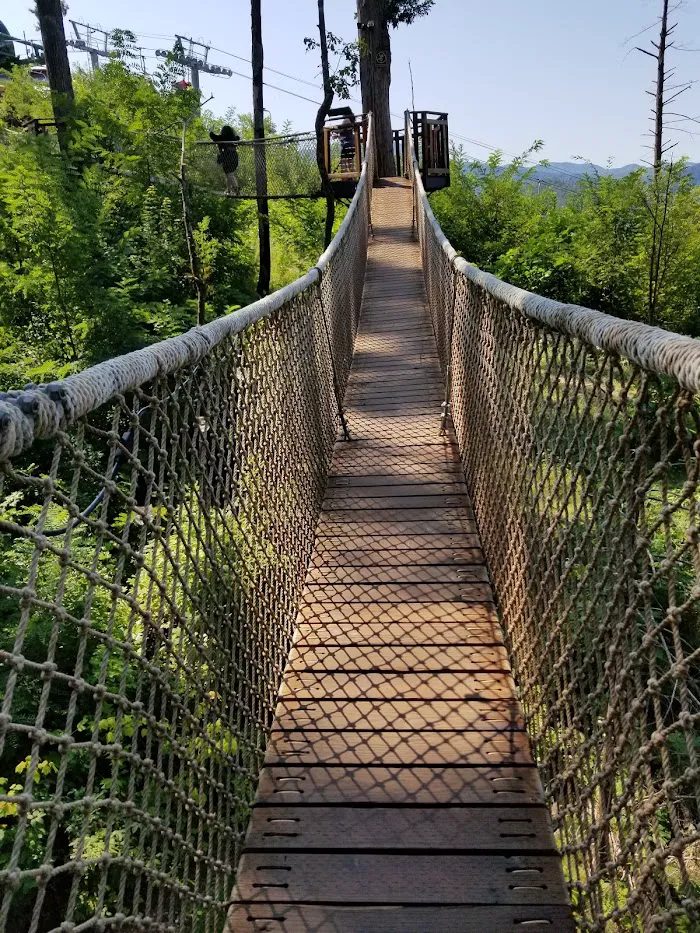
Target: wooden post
259,150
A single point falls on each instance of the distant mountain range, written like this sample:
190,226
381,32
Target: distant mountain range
567,174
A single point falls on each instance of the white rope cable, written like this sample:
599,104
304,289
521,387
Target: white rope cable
653,348
39,411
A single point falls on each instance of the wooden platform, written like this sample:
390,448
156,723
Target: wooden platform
399,793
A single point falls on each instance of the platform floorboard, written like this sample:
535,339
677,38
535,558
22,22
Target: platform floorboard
399,793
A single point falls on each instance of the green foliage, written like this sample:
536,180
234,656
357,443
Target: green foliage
93,262
594,248
399,12
344,75
93,255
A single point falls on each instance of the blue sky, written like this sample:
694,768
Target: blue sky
507,71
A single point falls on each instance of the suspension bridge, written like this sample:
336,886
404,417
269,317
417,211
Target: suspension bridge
370,607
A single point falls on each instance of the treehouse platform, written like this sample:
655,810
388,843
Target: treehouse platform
399,792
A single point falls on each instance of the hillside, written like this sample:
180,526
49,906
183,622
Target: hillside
567,173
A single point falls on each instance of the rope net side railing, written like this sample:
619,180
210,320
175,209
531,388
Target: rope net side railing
579,434
158,514
286,163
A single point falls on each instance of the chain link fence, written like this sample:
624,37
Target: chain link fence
158,514
579,434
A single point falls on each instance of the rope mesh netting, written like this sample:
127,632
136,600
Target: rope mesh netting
158,514
285,165
579,437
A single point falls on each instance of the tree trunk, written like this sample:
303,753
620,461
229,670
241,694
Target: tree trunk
195,269
320,122
375,78
260,156
659,205
53,37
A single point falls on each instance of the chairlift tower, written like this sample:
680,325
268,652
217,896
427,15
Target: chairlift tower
34,49
195,56
92,40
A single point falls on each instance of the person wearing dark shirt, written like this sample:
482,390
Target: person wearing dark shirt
227,157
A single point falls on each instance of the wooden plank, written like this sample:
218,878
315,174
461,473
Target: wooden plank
392,686
381,503
418,749
408,573
363,543
409,346
393,465
380,490
405,633
398,781
397,385
462,829
361,456
412,531
398,592
387,407
398,658
442,611
273,877
401,393
431,447
399,786
344,482
398,715
383,557
410,375
379,440
427,447
398,918
372,430
413,377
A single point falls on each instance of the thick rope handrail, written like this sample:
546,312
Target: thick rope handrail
580,438
653,348
38,412
155,547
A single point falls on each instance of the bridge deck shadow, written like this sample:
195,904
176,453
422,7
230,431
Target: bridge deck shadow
399,793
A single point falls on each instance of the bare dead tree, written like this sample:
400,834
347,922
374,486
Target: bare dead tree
662,185
662,93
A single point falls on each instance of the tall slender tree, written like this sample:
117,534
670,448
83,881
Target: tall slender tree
664,180
662,93
50,16
320,122
260,157
343,78
374,17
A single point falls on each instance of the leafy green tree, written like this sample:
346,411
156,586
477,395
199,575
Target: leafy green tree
594,247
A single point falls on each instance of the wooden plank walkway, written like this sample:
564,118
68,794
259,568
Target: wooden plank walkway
399,793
